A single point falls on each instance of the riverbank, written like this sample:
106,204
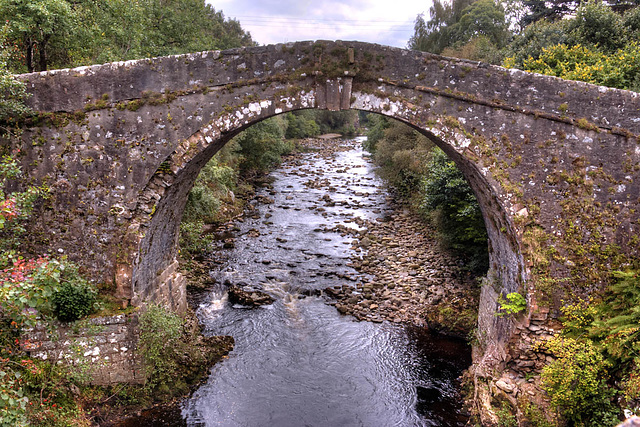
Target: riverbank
123,405
412,280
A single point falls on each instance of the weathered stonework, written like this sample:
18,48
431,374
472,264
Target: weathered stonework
554,164
105,346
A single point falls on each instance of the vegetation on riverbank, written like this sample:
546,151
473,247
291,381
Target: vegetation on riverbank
432,184
226,181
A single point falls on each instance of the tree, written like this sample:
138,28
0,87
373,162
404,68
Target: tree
36,25
482,18
555,10
534,39
66,33
434,35
262,144
550,10
455,25
13,92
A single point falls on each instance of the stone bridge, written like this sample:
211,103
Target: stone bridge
554,164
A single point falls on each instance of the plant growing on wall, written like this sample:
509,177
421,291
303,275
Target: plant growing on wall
513,304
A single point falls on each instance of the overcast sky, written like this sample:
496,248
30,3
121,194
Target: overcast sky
386,22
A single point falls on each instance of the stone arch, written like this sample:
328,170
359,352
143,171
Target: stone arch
155,275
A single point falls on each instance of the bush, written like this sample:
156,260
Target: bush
377,125
402,154
191,238
535,37
576,383
74,300
513,304
45,286
262,145
449,200
597,25
301,124
161,345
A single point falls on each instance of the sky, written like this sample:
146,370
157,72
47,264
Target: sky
386,22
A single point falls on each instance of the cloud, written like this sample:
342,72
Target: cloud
278,21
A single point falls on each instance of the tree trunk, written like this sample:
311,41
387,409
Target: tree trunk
43,53
29,54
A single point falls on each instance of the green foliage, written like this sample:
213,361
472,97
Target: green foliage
597,46
161,345
74,299
37,26
262,145
599,347
301,124
401,154
434,35
552,10
597,25
342,122
619,69
482,18
455,210
377,124
514,304
15,207
479,48
505,417
459,23
62,33
531,42
44,286
14,92
216,182
13,402
418,170
191,238
576,383
617,323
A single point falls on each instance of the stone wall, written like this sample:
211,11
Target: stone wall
105,346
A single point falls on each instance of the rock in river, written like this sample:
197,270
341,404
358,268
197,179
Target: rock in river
248,298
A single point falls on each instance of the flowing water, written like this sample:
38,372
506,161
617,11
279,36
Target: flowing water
298,362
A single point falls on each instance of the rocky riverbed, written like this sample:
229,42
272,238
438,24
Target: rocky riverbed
405,276
411,279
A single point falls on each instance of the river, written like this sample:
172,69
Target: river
298,362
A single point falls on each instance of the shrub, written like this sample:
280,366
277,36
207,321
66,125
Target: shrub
576,383
301,124
598,25
74,300
513,304
402,154
192,239
161,345
449,200
262,145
